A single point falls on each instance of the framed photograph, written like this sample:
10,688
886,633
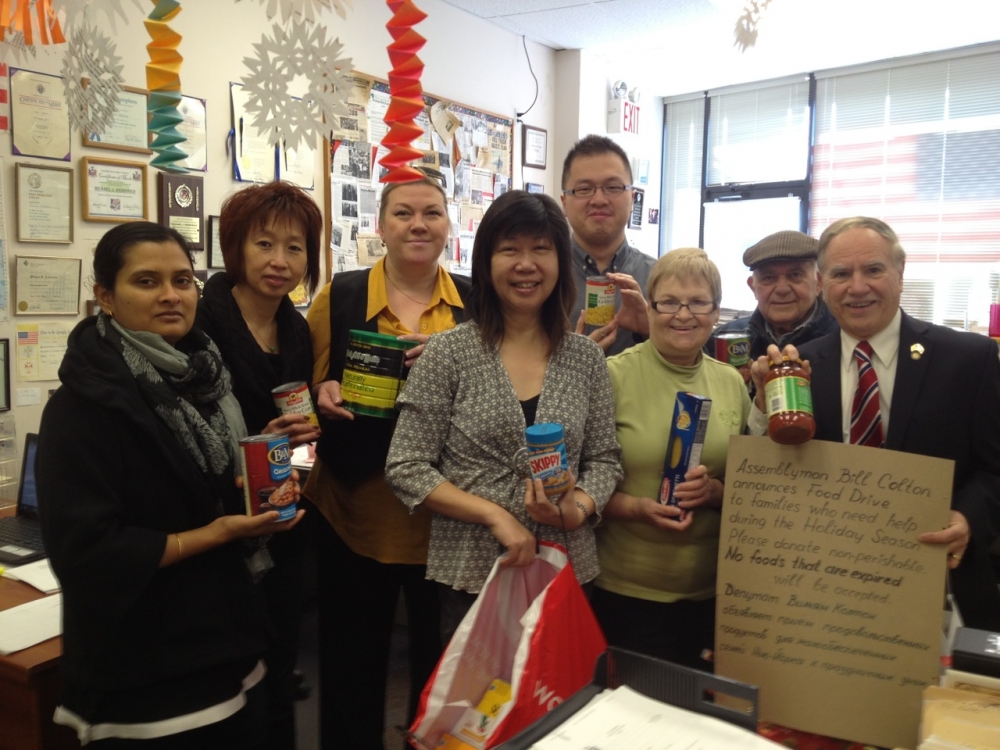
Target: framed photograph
214,245
113,190
44,197
46,286
129,131
5,374
535,142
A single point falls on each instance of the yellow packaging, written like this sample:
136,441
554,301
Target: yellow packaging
495,696
451,742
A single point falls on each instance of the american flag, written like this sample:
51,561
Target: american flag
28,337
3,99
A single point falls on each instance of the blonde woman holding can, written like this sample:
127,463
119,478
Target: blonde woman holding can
369,548
270,236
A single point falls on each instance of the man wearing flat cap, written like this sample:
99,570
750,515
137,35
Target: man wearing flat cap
785,281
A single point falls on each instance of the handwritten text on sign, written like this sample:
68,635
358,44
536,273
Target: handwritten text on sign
825,598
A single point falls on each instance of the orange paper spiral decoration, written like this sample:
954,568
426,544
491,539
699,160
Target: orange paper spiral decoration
406,95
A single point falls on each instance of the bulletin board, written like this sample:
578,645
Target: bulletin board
470,150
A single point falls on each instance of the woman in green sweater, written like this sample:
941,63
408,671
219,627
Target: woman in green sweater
656,590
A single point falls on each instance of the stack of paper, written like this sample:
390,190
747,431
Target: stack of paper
31,623
623,719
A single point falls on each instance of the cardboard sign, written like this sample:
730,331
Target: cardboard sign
826,600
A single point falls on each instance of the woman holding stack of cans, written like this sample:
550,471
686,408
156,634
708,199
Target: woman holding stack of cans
656,591
459,447
369,548
144,523
270,237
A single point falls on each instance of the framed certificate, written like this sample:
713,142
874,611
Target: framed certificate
128,131
39,115
214,245
5,374
194,127
535,142
44,197
113,190
46,286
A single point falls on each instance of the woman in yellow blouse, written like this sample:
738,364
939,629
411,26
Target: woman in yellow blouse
369,547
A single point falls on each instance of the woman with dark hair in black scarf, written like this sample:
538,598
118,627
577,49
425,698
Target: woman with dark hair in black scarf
270,243
146,529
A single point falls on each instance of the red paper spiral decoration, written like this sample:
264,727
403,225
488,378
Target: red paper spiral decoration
406,95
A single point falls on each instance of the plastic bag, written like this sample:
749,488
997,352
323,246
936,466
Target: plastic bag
531,627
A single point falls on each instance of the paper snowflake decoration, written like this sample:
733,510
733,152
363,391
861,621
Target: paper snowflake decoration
91,55
300,49
73,12
13,48
304,9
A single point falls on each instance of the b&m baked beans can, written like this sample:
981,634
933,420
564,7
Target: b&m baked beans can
267,475
734,349
294,398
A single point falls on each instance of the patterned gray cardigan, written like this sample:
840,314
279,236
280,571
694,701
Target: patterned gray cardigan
460,421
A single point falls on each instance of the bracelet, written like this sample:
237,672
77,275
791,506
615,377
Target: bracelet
180,546
586,513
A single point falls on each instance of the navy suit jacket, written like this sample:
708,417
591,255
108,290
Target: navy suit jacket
945,403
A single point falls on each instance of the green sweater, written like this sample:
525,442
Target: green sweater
637,559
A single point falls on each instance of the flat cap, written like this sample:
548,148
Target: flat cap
785,245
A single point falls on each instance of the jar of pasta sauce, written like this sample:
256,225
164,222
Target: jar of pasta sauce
789,403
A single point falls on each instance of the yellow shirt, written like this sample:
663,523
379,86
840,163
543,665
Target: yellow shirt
368,517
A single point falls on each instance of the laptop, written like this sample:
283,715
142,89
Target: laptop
21,534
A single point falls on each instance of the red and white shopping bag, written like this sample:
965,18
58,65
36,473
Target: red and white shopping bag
531,627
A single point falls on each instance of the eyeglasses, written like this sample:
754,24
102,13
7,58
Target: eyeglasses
672,306
587,191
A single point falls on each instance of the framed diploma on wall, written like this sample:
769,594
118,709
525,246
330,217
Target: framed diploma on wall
39,114
128,131
44,197
46,286
5,374
536,143
113,190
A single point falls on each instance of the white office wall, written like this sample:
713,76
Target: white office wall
466,59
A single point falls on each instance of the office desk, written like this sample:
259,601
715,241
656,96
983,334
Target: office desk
29,684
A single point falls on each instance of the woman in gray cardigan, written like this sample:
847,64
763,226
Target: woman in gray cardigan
459,444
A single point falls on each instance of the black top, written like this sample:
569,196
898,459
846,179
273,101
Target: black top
355,449
255,372
139,643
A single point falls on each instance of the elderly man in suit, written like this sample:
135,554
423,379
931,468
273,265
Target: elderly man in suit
889,380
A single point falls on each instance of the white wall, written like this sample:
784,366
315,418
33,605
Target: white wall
466,59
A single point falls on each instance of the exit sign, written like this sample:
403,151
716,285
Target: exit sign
623,116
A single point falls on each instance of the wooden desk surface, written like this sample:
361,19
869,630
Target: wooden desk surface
29,683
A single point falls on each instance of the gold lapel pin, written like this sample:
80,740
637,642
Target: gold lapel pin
916,351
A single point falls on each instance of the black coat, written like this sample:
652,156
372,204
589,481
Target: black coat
945,403
139,643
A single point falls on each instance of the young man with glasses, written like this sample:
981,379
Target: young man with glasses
597,200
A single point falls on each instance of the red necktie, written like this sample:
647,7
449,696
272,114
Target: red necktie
866,419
